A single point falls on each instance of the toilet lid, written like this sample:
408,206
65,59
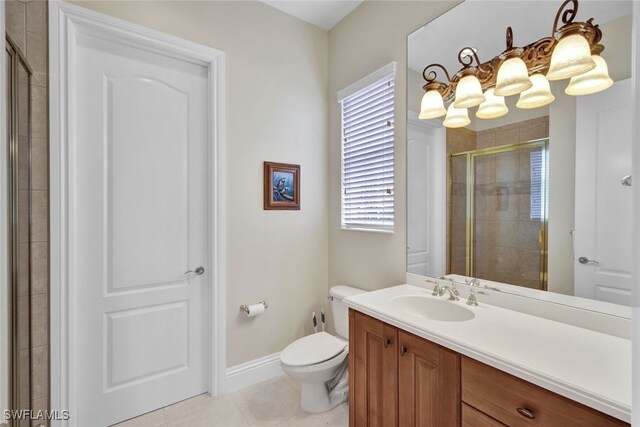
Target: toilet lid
312,349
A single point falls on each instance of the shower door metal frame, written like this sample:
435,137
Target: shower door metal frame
470,202
17,59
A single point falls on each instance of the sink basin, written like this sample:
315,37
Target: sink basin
432,308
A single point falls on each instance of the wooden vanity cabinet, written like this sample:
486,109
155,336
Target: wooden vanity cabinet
429,383
516,402
399,379
373,372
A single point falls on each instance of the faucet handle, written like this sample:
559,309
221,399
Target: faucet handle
472,301
437,291
455,290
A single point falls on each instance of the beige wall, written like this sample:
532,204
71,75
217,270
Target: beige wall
371,36
276,89
616,37
414,90
562,172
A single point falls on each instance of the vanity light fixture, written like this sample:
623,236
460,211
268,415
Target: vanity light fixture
592,81
432,106
493,107
538,95
456,117
572,51
513,75
468,90
571,57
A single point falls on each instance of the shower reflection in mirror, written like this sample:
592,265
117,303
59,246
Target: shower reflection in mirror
18,148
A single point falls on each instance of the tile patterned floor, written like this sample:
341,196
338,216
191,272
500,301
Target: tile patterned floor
275,402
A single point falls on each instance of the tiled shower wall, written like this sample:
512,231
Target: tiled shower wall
26,24
506,239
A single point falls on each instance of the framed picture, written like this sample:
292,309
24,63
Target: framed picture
281,186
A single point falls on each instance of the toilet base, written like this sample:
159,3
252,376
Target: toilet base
315,398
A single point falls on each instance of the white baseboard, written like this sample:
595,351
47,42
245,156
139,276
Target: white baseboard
252,372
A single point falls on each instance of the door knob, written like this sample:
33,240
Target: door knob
199,271
386,342
584,261
403,350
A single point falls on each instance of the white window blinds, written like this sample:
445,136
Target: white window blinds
368,153
538,175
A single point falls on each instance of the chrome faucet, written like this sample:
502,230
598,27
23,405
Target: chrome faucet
473,282
454,295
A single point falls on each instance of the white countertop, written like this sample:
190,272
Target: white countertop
589,367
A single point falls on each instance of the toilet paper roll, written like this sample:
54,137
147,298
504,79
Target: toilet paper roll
254,310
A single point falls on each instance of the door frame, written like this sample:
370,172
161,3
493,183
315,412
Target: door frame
65,22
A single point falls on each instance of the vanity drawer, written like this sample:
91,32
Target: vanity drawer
516,402
471,417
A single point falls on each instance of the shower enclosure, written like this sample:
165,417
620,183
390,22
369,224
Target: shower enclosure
498,213
18,146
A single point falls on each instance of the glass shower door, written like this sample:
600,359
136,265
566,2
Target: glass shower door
509,214
19,191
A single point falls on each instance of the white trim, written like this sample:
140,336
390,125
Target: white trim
377,75
4,273
412,119
635,290
65,20
368,230
252,372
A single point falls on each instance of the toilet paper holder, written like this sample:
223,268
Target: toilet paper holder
245,307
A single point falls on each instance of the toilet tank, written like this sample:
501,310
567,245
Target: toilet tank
340,310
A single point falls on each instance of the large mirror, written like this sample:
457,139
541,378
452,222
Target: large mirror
537,198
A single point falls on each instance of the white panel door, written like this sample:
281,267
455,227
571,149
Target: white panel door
604,222
425,200
138,222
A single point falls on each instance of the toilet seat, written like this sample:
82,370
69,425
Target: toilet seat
312,349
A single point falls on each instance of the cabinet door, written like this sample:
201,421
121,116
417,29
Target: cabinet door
429,383
373,362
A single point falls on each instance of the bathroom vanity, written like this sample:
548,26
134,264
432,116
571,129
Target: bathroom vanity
520,206
419,359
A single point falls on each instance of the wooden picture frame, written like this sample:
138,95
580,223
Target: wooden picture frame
281,186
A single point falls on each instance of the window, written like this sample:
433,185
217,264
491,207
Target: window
538,183
367,152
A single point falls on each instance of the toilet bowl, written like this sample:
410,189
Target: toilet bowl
318,358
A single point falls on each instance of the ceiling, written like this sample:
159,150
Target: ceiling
474,24
324,14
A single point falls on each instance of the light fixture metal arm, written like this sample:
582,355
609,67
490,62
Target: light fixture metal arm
466,57
567,16
432,76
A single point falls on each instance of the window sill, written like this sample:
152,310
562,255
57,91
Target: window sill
367,230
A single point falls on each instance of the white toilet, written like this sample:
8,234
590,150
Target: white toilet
316,358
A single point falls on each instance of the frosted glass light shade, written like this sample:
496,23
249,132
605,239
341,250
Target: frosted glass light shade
456,117
513,78
570,57
468,92
537,95
493,107
592,81
432,105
